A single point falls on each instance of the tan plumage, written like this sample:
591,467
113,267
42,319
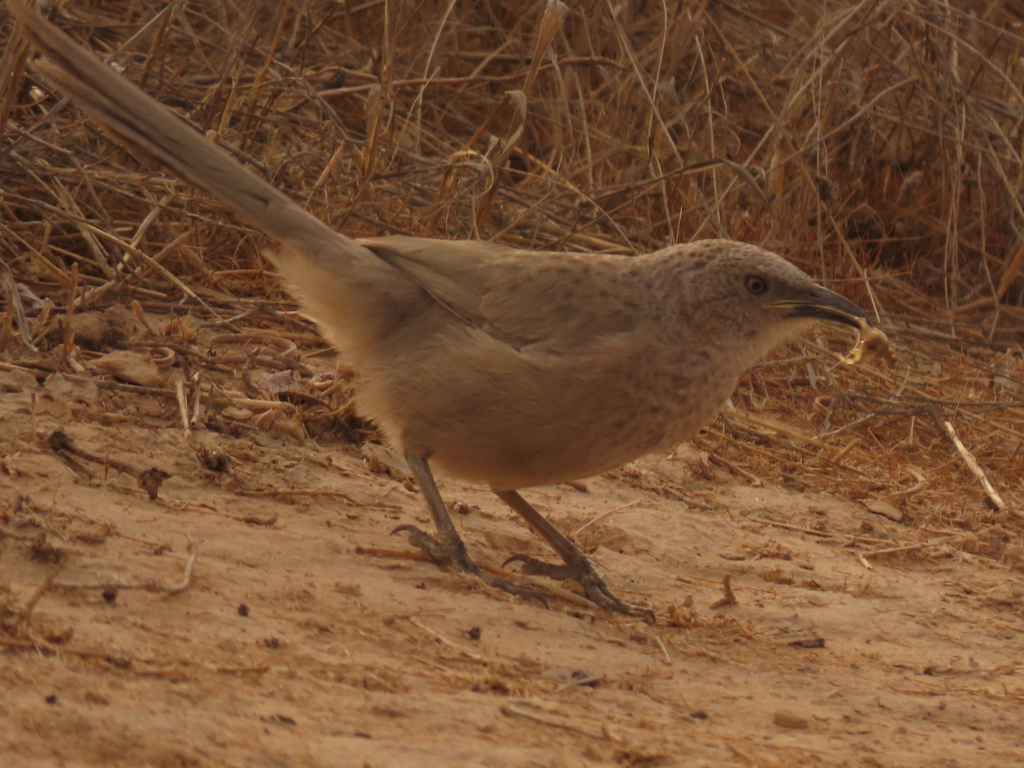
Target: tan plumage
509,367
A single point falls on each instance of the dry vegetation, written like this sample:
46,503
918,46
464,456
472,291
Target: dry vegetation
876,144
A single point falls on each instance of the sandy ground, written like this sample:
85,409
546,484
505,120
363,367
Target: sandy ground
304,638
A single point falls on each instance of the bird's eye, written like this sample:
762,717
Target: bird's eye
755,284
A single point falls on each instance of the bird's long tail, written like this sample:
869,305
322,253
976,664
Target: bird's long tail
344,285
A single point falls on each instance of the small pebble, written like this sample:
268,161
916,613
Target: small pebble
787,719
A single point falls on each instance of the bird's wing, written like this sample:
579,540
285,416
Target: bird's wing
543,300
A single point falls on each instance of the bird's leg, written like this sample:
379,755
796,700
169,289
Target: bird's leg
576,565
448,548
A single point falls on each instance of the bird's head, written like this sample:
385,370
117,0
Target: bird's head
752,298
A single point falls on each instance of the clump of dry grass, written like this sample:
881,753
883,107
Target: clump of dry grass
876,144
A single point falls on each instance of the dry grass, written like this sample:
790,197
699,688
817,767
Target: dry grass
876,144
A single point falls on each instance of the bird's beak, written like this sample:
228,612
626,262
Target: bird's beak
823,304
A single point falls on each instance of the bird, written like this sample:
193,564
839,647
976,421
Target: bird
507,367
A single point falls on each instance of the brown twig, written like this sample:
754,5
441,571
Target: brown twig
790,527
149,480
728,598
516,708
30,604
444,640
149,585
995,500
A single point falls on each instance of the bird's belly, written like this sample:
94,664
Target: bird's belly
514,420
510,449
510,464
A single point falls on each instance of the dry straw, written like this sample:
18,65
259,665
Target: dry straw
876,144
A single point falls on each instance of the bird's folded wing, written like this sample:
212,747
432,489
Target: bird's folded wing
543,300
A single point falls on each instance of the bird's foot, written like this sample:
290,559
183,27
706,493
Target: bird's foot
456,558
582,571
433,549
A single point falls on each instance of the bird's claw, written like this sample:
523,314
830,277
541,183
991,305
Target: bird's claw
458,560
582,572
424,541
